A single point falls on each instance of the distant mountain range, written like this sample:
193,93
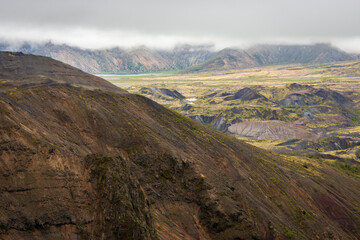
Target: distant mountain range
186,58
118,60
263,55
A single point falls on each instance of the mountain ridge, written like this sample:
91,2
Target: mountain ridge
266,55
185,58
117,60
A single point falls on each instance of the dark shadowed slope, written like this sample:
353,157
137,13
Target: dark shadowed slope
94,164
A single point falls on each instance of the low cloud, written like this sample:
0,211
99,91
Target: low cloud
163,24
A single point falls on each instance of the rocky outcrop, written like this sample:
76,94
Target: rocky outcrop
333,96
324,144
245,94
186,107
210,95
202,118
217,122
162,91
321,109
171,93
220,123
297,100
309,115
296,86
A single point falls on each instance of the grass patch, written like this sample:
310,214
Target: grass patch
353,170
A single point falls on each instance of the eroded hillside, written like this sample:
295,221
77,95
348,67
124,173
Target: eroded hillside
83,161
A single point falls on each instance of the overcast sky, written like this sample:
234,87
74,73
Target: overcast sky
164,23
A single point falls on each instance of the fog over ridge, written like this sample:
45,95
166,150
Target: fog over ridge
163,24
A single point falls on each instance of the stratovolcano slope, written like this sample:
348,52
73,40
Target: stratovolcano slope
86,160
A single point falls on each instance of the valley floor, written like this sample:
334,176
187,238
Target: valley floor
311,111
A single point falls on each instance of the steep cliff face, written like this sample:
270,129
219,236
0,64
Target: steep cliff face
90,161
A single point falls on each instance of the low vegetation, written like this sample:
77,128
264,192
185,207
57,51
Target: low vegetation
305,110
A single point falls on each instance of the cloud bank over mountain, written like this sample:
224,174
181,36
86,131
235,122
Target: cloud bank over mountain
163,24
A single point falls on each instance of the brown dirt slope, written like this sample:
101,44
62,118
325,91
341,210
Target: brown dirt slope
27,71
80,163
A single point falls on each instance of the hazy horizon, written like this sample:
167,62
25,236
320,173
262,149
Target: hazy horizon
164,24
15,44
